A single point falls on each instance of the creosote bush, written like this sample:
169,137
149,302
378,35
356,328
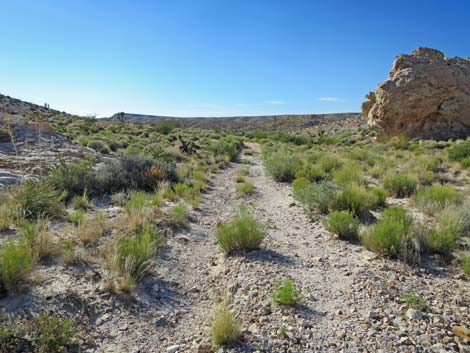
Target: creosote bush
435,198
287,294
343,224
400,185
385,237
242,233
225,327
282,167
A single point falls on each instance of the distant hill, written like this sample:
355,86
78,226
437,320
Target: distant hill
290,123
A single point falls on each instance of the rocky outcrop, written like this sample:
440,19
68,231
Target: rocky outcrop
426,96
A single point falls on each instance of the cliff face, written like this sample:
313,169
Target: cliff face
426,96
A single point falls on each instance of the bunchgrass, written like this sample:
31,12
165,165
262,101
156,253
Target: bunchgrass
414,301
245,189
16,261
400,185
225,327
241,233
6,217
386,235
435,198
287,294
178,216
465,260
343,224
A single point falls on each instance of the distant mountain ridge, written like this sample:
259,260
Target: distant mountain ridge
285,122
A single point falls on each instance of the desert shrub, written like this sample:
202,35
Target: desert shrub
247,188
443,238
386,235
225,327
414,301
342,223
16,261
45,334
314,196
380,196
6,217
131,255
74,178
287,294
82,201
459,152
134,172
466,264
282,167
329,162
77,216
436,197
99,146
242,233
90,229
347,174
356,199
227,146
37,198
400,185
178,215
311,172
38,237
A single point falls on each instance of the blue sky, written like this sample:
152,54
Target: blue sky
215,57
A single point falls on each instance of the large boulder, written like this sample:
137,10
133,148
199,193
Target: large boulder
426,96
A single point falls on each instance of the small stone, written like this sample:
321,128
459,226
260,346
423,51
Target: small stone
413,314
173,349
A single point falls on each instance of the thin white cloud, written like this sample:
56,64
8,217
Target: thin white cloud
329,99
275,102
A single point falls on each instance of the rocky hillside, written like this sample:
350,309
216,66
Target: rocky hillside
291,123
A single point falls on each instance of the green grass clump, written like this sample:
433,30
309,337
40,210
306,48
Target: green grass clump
38,237
77,216
414,301
314,196
178,215
349,173
287,294
385,237
37,198
343,224
400,185
441,240
6,217
16,261
225,327
435,198
45,334
131,255
459,152
242,233
356,199
246,188
329,162
466,264
82,201
282,167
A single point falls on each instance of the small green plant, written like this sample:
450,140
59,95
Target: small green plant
16,261
414,301
178,215
131,255
314,196
329,162
356,199
242,233
55,334
282,167
349,173
77,216
435,198
386,235
82,201
225,327
287,294
466,264
400,185
247,188
91,228
6,217
38,237
244,172
343,224
459,152
37,198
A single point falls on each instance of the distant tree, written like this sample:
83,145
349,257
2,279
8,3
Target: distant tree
121,117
